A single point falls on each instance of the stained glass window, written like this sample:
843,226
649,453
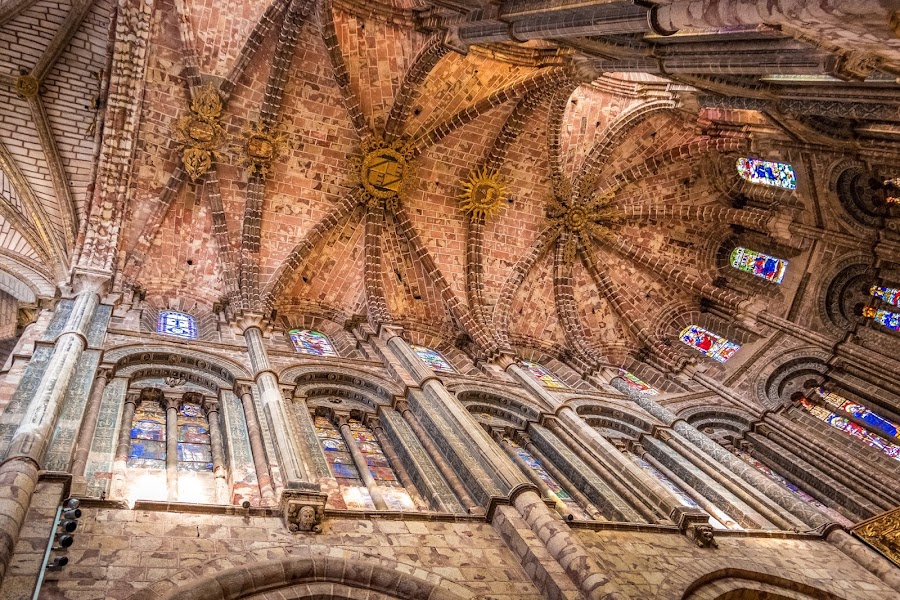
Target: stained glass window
177,324
352,491
542,473
889,319
860,412
719,519
542,374
766,172
765,470
148,436
887,294
708,344
854,429
312,342
637,384
759,264
395,495
194,449
434,359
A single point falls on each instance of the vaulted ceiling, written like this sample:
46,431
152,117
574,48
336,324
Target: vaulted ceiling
340,159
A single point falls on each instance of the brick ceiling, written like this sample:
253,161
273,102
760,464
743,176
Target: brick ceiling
306,238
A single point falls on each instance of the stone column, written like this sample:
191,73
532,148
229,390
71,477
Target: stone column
257,449
586,505
273,406
31,439
745,472
89,424
541,485
361,465
172,448
439,461
393,459
612,460
123,448
218,451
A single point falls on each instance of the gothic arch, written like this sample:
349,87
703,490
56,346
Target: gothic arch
718,579
225,579
718,417
318,373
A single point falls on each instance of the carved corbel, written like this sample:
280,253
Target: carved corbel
303,511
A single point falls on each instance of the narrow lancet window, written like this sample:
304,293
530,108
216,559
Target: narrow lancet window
708,343
434,359
885,318
766,172
759,264
637,384
307,341
543,374
886,294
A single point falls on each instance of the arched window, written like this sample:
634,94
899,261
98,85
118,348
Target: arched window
148,436
886,294
434,359
766,172
542,374
708,344
194,447
759,264
637,384
307,341
888,319
346,469
765,470
853,419
718,519
176,324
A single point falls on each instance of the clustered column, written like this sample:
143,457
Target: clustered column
218,451
31,440
257,448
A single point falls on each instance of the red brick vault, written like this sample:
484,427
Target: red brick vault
461,298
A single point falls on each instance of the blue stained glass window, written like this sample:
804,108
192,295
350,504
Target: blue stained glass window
766,172
194,443
846,425
311,342
176,324
887,294
543,374
708,343
888,319
148,436
759,264
434,359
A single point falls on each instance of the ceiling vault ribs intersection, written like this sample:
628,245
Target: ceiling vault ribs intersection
426,168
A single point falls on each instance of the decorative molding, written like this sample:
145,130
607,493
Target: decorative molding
200,133
882,532
483,193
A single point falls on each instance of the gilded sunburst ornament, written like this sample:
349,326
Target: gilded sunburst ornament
483,194
581,220
200,134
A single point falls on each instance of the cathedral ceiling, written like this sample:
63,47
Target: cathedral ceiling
339,159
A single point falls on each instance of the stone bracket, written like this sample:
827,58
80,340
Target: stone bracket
694,523
303,510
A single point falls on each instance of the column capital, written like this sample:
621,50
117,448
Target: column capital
89,280
248,320
172,403
210,404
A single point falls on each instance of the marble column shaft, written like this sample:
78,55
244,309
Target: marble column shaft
394,460
258,450
31,439
89,424
123,448
172,449
273,405
218,451
541,485
586,505
361,465
699,498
